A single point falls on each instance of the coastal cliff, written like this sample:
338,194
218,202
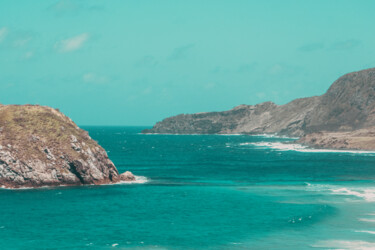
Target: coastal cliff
40,146
347,106
262,118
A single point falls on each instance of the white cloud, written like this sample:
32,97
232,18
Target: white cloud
276,69
210,85
3,33
21,42
261,95
94,78
64,5
345,45
29,54
72,43
147,91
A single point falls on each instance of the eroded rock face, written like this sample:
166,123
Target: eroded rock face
348,105
39,146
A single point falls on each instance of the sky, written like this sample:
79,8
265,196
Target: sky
124,62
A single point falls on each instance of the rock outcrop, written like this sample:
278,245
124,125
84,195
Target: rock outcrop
40,146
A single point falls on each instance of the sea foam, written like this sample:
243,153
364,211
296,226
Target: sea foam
345,244
301,148
365,231
364,193
138,180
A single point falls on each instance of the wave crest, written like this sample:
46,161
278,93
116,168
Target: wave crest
138,180
365,193
301,148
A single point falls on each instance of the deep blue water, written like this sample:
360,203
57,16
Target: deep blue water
203,192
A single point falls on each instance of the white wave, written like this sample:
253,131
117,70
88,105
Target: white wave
41,187
345,244
365,231
365,193
138,180
188,134
366,220
234,134
141,179
301,148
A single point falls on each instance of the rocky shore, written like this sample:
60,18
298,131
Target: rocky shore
40,146
347,108
362,139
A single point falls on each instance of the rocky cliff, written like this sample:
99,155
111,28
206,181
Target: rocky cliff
348,105
262,118
39,146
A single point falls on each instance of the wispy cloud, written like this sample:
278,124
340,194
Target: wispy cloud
147,61
276,69
72,7
311,47
72,43
21,42
28,55
210,85
64,5
3,33
345,45
247,67
181,52
94,78
283,69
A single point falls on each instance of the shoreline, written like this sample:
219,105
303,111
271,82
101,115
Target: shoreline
338,141
138,180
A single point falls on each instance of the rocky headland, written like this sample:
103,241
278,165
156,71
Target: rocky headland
345,111
40,146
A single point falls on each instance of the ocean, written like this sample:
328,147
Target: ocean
203,192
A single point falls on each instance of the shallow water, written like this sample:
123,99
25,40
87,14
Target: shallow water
203,191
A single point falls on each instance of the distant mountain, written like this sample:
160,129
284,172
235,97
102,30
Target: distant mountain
348,105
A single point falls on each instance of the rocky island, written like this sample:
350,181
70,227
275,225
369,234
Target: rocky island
343,117
40,146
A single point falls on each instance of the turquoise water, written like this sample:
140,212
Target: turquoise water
203,192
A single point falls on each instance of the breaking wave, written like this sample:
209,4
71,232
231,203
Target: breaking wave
345,244
138,180
364,193
300,148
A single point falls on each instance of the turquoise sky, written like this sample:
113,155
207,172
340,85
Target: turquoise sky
137,62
